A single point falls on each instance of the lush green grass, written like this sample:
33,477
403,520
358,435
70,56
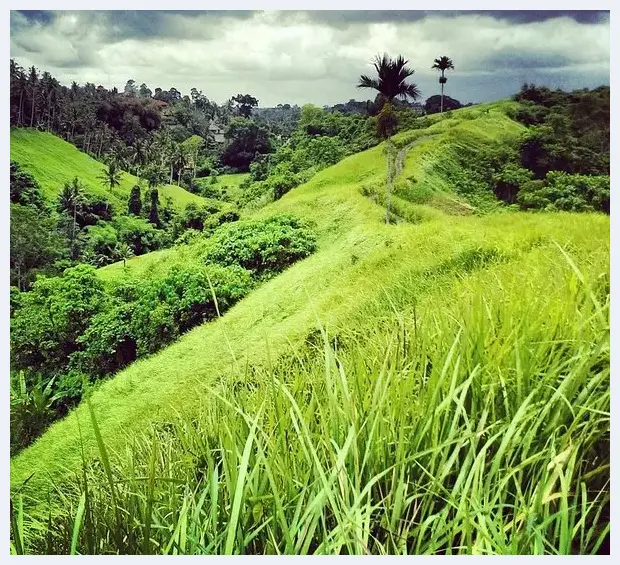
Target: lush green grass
232,180
453,402
229,185
53,162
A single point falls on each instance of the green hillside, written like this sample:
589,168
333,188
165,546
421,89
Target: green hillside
435,351
53,162
426,155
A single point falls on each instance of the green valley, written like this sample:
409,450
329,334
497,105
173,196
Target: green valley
377,328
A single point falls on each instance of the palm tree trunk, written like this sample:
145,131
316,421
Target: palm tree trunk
19,113
74,220
442,83
73,235
388,183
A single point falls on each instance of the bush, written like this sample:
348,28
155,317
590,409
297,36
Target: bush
24,188
281,184
30,410
262,247
188,236
140,235
193,218
561,191
52,316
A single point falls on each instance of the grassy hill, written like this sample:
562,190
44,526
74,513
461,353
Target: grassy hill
422,190
337,405
53,162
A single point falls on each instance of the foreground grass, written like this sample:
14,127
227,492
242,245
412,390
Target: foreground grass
53,162
475,420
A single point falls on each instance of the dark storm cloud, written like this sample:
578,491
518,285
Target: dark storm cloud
38,16
149,24
135,24
347,17
523,60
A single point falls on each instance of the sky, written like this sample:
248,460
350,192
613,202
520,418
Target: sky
300,57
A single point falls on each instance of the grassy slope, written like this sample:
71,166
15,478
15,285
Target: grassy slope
228,184
362,269
427,160
52,161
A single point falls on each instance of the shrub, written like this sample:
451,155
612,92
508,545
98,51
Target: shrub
30,410
188,236
562,191
24,188
262,247
140,235
102,240
108,343
182,299
193,217
51,317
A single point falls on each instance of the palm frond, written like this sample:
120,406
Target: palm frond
412,91
443,63
392,77
367,82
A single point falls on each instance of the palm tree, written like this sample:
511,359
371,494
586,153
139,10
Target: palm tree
70,199
391,84
154,176
111,176
138,155
443,64
124,252
179,161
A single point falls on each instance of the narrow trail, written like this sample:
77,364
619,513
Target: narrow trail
399,163
399,160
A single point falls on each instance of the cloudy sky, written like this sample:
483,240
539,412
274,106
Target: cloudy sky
317,57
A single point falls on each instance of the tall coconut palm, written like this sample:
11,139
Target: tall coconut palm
391,83
111,176
138,154
70,200
443,64
179,161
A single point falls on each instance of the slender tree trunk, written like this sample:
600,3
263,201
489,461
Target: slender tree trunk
170,174
19,113
49,111
388,184
441,111
32,109
442,83
73,235
74,220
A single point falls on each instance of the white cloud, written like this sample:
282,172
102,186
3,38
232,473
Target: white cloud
291,57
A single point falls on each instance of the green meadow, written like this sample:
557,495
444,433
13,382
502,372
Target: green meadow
436,385
54,162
